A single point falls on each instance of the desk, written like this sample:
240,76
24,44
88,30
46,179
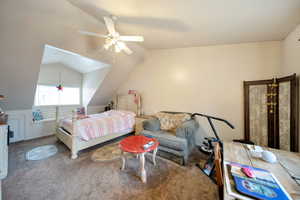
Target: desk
237,152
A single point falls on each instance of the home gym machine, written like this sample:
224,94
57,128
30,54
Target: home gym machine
208,145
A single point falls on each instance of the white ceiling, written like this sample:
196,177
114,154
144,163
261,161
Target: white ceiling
184,23
75,61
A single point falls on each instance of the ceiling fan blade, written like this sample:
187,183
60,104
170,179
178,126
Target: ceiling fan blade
110,25
132,38
124,47
117,49
92,34
108,44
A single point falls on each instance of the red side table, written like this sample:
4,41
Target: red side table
134,144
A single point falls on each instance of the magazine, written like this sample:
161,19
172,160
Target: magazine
264,186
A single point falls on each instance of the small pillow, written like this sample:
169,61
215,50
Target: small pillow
170,122
80,111
37,115
79,117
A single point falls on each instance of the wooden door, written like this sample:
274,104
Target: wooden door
271,112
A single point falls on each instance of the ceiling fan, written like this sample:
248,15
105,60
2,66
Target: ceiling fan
113,39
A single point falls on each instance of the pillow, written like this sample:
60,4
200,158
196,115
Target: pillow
80,117
80,111
170,122
37,115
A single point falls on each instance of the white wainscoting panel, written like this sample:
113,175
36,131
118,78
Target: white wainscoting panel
20,122
16,122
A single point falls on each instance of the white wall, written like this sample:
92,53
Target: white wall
56,73
205,79
122,66
91,82
291,55
95,109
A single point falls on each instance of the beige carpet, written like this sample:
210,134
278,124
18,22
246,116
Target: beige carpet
59,177
107,153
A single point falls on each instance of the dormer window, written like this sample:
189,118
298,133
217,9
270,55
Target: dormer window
49,95
67,79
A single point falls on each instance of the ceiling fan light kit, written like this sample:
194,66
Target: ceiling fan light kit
113,40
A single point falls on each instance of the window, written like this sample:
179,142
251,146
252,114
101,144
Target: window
49,95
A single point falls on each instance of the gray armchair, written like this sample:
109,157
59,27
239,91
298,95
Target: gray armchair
180,143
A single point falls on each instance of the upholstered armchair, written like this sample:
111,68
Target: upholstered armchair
180,142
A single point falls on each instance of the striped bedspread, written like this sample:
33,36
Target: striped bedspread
102,124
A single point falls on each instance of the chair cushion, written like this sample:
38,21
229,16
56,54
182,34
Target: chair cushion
166,139
170,122
151,124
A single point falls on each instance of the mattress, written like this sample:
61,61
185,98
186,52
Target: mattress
97,125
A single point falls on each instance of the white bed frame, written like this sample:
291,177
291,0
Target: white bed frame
75,144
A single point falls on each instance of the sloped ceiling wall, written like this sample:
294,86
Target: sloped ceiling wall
91,82
26,26
117,76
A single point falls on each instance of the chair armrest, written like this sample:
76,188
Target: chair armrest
187,129
151,125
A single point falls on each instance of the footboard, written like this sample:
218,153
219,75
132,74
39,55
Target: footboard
70,140
64,137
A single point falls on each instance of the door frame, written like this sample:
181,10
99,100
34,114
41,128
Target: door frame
294,121
294,114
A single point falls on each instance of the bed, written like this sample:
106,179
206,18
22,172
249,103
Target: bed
81,133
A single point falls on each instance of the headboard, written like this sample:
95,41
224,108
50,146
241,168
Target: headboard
130,102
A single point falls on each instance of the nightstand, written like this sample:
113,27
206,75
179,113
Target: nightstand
139,123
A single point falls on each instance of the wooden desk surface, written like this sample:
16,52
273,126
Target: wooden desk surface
237,152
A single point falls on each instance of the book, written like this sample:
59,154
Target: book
264,186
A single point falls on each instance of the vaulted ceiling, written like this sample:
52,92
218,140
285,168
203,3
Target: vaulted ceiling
26,26
185,23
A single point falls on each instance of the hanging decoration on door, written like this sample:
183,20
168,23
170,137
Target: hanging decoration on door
272,96
59,86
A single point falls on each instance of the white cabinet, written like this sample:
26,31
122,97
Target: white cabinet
3,151
3,154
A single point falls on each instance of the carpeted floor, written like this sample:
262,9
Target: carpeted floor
61,178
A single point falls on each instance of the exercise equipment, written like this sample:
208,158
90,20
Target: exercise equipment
208,145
